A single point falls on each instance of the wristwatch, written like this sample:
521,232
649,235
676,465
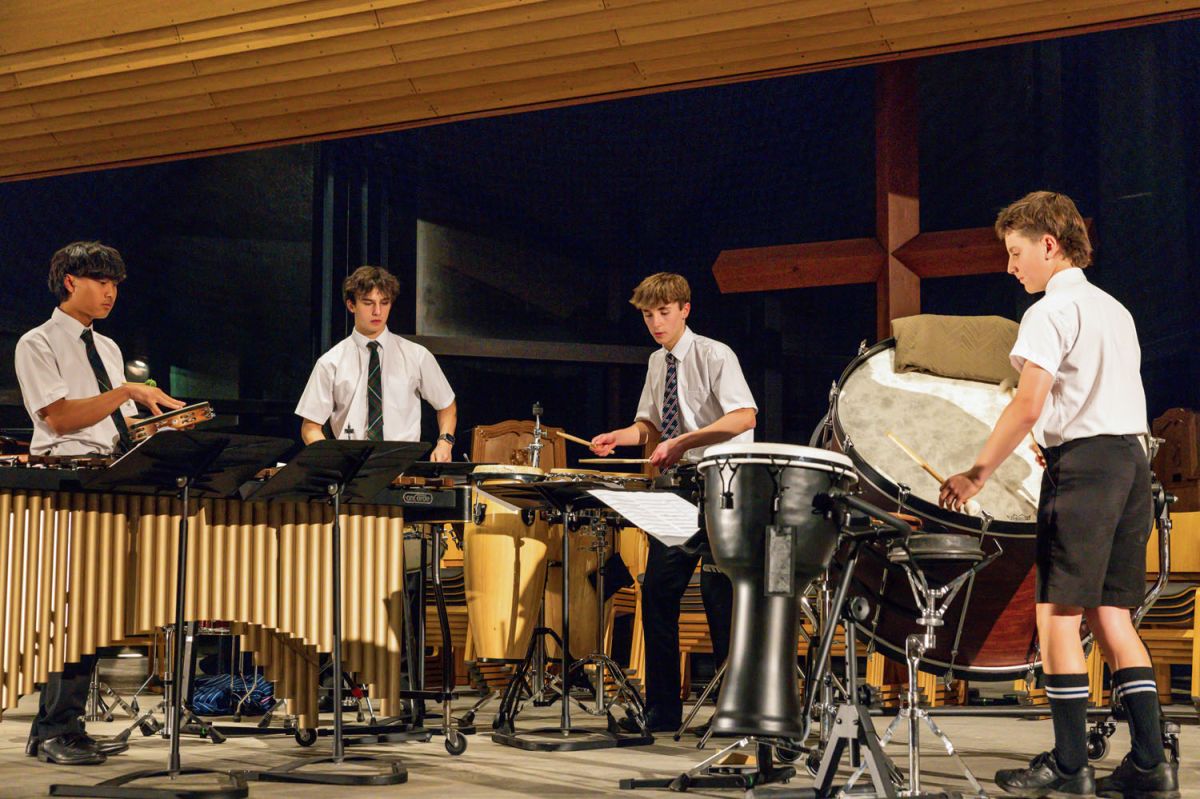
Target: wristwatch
447,437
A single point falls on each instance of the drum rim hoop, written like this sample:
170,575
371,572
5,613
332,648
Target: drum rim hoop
818,464
775,450
1004,528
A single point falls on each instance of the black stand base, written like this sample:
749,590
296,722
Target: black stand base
233,786
392,773
710,775
554,739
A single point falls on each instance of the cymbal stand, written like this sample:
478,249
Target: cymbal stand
535,445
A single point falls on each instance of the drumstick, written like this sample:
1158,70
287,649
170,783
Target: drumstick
971,507
924,464
576,439
614,460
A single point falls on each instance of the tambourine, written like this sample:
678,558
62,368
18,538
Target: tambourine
184,418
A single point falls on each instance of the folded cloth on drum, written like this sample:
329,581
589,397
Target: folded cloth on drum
963,347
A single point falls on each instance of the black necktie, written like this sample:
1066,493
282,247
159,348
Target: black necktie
374,395
670,411
103,383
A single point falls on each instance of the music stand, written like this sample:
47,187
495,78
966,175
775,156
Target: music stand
333,472
565,500
191,463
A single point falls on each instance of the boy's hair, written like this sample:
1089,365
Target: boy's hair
661,288
365,279
1042,212
84,259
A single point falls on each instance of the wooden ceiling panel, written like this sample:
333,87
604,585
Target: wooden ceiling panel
91,83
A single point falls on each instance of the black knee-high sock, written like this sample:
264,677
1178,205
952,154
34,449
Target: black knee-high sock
1068,695
1139,694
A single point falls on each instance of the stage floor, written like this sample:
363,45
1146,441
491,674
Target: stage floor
487,769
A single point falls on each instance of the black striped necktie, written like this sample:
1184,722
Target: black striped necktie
670,412
374,395
105,386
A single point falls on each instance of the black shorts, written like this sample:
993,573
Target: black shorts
1094,519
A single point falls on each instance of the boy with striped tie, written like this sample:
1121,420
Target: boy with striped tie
695,395
369,386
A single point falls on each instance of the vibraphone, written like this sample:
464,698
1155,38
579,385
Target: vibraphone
80,571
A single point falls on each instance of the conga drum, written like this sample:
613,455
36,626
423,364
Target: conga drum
768,536
504,568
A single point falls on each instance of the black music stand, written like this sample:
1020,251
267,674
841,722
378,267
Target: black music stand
565,500
189,463
333,472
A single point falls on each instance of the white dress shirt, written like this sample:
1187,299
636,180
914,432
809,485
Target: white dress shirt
711,384
1087,340
52,364
337,389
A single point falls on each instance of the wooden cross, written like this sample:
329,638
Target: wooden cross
899,255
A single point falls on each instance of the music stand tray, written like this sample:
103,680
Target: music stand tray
565,500
185,463
333,472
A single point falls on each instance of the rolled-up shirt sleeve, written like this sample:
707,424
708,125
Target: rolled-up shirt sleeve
316,403
1045,337
37,373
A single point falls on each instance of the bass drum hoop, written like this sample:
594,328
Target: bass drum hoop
951,520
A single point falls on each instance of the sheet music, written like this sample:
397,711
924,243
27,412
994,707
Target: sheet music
668,517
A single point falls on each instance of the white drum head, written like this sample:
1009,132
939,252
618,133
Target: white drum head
945,421
766,452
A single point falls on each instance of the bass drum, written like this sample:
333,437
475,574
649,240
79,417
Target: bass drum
989,632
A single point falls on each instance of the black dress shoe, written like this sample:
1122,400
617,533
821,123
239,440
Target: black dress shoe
70,749
1043,778
656,721
1134,782
31,745
107,745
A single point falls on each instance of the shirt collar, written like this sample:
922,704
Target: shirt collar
362,341
684,344
1072,276
68,322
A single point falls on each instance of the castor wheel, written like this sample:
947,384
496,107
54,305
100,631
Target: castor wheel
456,742
812,763
789,750
1097,746
306,736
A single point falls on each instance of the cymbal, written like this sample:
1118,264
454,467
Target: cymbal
614,460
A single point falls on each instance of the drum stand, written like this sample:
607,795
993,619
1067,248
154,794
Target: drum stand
453,730
567,737
932,603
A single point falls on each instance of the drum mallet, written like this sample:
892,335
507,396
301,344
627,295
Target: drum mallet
972,507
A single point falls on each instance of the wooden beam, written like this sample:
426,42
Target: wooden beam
796,266
954,252
897,198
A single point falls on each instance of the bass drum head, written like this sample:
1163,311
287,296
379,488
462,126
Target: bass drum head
989,632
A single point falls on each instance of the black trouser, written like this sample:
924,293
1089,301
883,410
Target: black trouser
63,700
668,572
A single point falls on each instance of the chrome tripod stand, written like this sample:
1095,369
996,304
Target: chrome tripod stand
932,604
